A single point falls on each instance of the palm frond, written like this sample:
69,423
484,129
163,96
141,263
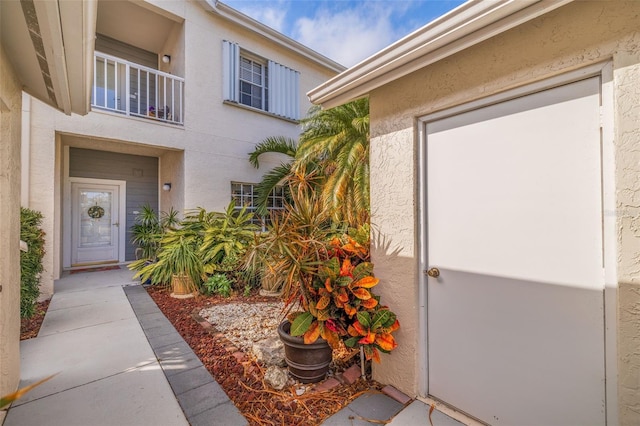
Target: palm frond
270,181
276,144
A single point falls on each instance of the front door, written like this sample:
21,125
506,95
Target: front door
516,315
95,224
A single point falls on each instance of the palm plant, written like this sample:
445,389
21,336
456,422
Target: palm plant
288,256
276,176
338,139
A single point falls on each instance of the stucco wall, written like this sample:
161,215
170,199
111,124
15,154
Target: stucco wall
569,38
202,157
627,107
10,113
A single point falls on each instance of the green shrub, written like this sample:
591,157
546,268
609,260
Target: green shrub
30,261
218,284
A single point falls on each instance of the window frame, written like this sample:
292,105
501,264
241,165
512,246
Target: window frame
281,97
275,197
264,77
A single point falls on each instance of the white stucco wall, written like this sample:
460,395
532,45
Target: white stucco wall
201,158
569,38
10,122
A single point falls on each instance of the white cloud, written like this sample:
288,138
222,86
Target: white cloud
273,16
348,35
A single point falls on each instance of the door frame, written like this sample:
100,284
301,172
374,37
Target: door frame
68,223
605,72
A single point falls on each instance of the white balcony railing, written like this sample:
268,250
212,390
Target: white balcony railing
127,88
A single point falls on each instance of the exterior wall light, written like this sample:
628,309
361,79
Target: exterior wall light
166,59
166,186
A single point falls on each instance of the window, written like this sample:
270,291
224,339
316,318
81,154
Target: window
244,196
253,83
259,83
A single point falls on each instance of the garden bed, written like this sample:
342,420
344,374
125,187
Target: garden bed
242,377
30,327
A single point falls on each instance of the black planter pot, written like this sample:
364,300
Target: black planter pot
307,363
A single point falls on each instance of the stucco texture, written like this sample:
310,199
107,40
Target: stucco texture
10,113
566,39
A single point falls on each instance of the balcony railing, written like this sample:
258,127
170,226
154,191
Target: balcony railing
124,87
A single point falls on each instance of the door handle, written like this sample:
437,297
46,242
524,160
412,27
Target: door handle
116,224
433,272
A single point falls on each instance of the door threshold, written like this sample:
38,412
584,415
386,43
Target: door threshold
451,412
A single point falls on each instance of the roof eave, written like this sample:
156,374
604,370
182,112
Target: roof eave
463,27
269,33
50,46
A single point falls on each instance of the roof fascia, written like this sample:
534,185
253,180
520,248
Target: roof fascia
270,34
463,27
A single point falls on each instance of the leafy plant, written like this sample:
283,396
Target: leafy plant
178,255
290,252
338,139
274,177
203,243
218,284
148,229
30,261
226,238
341,305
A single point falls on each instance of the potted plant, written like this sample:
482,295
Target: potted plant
178,262
203,244
327,281
341,306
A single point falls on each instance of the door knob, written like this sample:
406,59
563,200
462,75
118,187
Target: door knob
433,272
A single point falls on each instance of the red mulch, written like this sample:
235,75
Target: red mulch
242,377
29,327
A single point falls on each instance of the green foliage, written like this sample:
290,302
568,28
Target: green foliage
218,284
30,261
148,229
288,255
301,324
202,244
277,175
226,238
178,255
332,158
338,140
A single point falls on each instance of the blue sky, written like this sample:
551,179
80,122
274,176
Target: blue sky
346,31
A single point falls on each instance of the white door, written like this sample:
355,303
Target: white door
516,317
95,223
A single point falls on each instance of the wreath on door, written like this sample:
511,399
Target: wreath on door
95,212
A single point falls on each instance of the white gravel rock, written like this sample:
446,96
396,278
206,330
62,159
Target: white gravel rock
245,323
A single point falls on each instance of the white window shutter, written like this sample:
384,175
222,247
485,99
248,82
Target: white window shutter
284,94
230,70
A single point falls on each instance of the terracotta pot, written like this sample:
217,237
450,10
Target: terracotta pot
182,286
307,363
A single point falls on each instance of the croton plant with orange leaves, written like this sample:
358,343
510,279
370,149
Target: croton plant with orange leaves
340,305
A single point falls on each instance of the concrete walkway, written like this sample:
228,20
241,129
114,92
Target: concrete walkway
108,371
121,362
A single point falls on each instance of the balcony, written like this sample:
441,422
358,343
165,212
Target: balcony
134,90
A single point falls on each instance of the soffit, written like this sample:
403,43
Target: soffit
133,24
48,45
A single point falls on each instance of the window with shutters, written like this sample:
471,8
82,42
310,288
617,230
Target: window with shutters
259,83
253,83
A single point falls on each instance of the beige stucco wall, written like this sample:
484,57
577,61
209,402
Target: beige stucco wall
571,37
201,158
10,113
